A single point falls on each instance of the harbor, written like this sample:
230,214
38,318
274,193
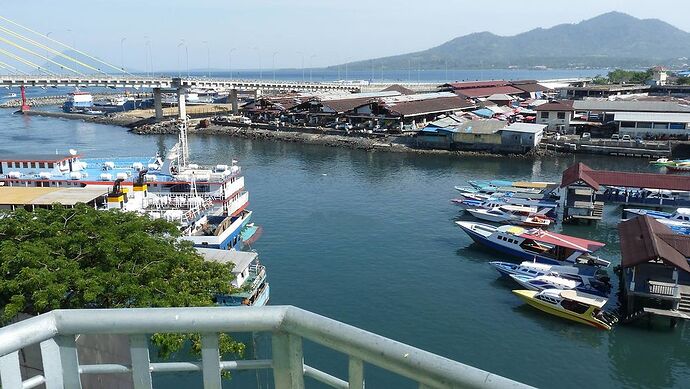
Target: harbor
336,176
327,210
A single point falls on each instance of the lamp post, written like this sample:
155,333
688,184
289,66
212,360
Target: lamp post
208,59
122,52
230,60
302,54
274,65
311,66
179,67
258,53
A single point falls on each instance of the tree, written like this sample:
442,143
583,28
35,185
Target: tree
67,258
620,76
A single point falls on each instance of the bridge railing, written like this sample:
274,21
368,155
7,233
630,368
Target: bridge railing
288,326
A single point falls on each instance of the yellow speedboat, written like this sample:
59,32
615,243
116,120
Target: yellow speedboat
572,305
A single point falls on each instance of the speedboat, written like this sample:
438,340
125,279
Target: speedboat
573,305
535,244
555,281
492,202
678,221
534,269
514,214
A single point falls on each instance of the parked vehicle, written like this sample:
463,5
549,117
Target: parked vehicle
626,138
615,137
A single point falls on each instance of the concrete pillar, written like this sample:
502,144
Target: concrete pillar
181,103
233,100
158,103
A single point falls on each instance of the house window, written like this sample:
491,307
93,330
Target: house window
677,126
628,124
561,115
544,115
50,165
644,125
25,165
660,126
41,165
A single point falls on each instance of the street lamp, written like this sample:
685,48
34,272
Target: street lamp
122,52
230,60
302,54
179,68
208,59
311,66
258,53
274,65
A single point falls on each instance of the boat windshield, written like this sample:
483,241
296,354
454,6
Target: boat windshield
575,306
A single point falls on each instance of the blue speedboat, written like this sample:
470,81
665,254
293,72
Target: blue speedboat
535,244
534,269
552,281
678,221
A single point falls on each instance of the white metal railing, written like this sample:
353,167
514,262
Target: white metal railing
56,331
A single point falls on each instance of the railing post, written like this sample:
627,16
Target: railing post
210,360
10,373
141,362
60,363
288,362
356,373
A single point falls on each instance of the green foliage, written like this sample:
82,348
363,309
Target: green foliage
83,258
683,80
620,76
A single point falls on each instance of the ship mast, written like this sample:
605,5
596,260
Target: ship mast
183,155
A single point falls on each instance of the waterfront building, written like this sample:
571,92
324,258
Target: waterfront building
655,275
659,76
653,124
556,115
455,133
601,91
524,89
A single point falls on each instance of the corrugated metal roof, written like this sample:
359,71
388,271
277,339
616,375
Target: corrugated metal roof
421,96
16,195
399,88
476,84
423,107
340,106
532,87
488,91
482,126
241,259
630,106
652,117
596,178
555,106
526,127
644,239
368,95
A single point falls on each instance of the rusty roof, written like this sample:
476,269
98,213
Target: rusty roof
344,105
399,88
556,106
437,105
531,87
488,91
476,84
596,178
644,239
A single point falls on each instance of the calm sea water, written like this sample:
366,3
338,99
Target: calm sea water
368,238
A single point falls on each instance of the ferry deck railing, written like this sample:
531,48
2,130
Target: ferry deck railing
56,331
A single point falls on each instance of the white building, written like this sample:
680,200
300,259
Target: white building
645,124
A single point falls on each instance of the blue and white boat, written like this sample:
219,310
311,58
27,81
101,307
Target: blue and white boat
78,102
535,244
534,269
250,277
551,281
678,221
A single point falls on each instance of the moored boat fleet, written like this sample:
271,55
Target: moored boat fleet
556,273
209,204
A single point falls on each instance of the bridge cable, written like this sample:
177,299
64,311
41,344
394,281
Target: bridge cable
9,42
67,46
12,68
50,49
27,62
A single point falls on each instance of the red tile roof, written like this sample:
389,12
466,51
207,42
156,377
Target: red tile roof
488,91
531,87
477,84
596,178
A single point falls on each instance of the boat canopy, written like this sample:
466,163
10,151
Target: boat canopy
584,298
555,239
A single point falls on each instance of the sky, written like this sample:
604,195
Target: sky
291,34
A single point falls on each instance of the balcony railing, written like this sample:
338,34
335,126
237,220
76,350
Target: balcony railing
56,332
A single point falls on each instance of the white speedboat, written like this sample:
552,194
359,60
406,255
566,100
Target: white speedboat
556,281
514,214
534,269
678,221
